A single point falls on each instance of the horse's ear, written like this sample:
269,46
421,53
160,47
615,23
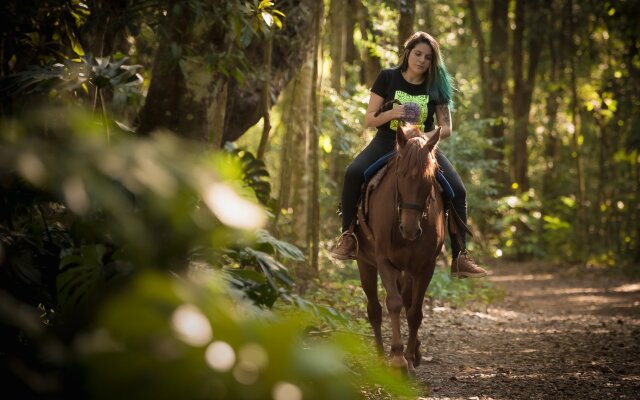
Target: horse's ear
401,138
434,140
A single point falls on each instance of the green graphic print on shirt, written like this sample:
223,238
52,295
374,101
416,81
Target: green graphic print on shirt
421,100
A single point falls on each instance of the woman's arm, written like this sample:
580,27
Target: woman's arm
443,115
375,102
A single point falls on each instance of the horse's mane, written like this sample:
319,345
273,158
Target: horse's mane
415,159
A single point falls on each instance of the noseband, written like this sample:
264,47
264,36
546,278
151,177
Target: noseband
423,209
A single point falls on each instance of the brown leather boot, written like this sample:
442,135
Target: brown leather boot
346,247
465,267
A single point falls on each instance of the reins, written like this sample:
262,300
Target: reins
423,209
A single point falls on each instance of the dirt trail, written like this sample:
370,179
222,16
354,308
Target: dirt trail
556,335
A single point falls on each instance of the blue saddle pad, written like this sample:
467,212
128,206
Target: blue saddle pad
380,162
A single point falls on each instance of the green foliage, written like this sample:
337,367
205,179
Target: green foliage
37,33
151,277
343,136
205,345
344,293
255,174
519,223
73,75
83,271
118,201
461,292
382,41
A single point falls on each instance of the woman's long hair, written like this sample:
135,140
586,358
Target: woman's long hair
439,82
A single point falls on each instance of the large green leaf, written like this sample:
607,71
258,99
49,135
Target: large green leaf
285,249
82,273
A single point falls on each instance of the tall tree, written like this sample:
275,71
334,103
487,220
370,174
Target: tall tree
557,41
350,27
313,225
202,67
298,129
523,85
287,154
407,19
493,77
265,98
576,126
338,37
371,63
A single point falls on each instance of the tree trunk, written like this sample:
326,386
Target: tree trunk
556,40
479,36
288,155
265,101
579,224
523,89
519,151
299,124
173,102
425,18
291,47
405,24
371,64
493,71
350,26
186,96
338,47
575,121
313,225
217,112
496,88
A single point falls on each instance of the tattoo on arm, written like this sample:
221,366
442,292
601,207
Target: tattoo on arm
444,116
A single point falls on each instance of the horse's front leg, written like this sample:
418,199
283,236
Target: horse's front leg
414,317
390,276
369,281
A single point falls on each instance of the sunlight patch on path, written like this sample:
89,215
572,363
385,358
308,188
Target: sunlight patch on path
628,288
518,278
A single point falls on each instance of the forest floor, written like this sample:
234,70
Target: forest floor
556,334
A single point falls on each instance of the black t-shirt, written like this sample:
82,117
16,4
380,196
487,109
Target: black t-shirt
390,84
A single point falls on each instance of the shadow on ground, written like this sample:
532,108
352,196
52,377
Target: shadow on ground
556,335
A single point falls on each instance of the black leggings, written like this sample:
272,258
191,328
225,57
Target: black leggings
382,144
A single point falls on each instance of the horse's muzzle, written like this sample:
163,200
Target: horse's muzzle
410,236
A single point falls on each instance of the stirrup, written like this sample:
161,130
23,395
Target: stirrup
355,238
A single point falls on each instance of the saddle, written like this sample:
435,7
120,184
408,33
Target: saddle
373,176
446,190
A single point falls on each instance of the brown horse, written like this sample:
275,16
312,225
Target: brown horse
399,239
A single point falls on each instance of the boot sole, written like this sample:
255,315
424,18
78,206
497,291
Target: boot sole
341,257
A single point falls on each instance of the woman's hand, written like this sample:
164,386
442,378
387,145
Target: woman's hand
397,112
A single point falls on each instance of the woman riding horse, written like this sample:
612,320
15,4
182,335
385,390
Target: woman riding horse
422,78
399,238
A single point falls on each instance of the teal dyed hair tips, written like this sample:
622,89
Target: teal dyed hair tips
442,86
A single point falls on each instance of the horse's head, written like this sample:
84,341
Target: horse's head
416,166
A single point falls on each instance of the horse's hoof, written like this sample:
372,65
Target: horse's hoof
399,363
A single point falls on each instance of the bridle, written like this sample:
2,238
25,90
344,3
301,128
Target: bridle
423,209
